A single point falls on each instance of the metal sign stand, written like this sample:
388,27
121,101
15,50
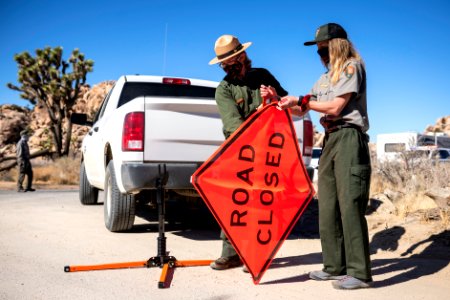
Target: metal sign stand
162,259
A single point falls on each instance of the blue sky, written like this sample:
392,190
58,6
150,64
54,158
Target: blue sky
405,45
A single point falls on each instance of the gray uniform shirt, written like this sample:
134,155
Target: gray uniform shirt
352,80
22,151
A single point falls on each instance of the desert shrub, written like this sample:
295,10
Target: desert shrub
9,175
64,170
410,174
408,179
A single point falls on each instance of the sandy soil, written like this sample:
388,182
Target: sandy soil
44,231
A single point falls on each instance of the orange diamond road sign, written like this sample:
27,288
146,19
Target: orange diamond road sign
256,186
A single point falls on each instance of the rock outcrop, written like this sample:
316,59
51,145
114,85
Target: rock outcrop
88,103
442,125
14,118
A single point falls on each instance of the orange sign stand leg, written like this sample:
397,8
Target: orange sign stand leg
162,260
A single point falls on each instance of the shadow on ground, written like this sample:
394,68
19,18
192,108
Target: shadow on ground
195,221
433,258
192,221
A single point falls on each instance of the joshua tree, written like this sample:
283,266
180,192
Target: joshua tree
45,80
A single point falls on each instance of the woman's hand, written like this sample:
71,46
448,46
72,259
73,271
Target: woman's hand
288,102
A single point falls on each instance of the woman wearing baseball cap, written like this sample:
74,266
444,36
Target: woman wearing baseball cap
344,171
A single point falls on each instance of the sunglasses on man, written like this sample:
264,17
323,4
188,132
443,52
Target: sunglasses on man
230,62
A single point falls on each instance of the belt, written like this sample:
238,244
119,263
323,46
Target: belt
335,127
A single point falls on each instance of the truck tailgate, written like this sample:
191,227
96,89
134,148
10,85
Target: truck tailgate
193,125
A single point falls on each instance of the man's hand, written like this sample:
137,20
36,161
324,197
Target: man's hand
268,92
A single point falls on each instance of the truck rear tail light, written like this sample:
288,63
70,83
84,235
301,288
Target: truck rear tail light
133,132
308,136
181,81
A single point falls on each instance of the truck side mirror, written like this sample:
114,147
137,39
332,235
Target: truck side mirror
80,119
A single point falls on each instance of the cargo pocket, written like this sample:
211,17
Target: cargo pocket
359,182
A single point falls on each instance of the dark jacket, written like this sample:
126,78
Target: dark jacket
238,99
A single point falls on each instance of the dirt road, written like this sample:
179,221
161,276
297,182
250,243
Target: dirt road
41,232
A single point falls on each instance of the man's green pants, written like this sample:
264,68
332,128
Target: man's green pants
343,192
227,247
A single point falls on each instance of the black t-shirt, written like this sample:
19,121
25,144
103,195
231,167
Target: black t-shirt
255,77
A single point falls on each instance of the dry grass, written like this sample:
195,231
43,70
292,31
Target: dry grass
445,217
411,176
61,171
406,182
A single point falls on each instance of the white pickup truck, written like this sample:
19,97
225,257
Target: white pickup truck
143,123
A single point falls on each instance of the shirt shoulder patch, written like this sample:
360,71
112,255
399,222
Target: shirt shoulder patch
349,71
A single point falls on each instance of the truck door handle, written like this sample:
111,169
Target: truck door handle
91,132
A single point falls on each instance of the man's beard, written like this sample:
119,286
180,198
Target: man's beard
235,70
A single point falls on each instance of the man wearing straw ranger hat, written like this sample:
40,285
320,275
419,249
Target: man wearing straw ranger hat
238,96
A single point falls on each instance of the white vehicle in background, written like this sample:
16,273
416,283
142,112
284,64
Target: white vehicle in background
144,123
391,146
432,154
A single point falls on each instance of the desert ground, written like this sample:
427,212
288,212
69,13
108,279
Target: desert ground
43,231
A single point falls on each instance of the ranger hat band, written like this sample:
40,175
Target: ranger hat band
327,32
226,47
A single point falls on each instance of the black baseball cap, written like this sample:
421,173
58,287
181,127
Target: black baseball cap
327,32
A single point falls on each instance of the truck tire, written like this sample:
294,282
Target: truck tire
119,209
87,193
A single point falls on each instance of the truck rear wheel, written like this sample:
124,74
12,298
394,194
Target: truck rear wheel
87,193
119,209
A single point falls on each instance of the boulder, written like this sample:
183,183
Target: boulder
13,119
441,196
